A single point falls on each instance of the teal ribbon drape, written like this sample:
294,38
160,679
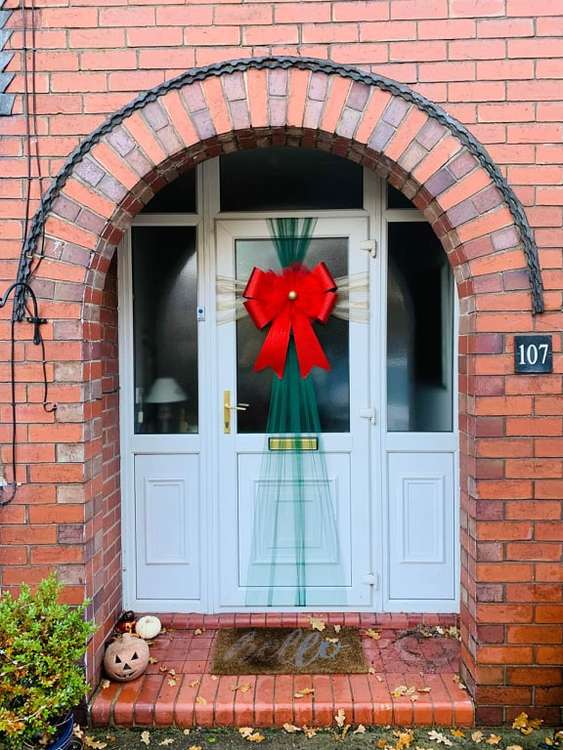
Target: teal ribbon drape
291,483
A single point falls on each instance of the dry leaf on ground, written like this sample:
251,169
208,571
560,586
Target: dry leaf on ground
94,744
493,739
244,688
373,634
201,700
317,623
340,717
440,738
304,692
146,738
291,728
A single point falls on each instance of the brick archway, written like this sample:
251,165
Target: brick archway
431,158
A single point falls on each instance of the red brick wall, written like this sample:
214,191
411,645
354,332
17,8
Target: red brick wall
492,65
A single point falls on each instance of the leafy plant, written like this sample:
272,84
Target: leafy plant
42,644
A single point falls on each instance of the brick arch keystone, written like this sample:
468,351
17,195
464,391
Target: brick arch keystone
299,102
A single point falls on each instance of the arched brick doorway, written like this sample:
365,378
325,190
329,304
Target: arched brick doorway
432,159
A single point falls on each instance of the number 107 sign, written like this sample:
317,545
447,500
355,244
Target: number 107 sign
533,354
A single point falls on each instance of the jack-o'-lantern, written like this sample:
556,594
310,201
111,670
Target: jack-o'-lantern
126,658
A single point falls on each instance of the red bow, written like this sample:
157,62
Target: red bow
290,301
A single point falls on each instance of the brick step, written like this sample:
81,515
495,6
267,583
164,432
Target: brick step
151,701
191,695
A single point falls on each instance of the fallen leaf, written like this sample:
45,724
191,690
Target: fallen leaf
201,700
332,640
77,731
163,668
477,736
309,732
291,728
404,739
193,683
152,660
214,677
440,738
514,747
194,747
381,744
379,678
337,628
104,684
244,688
172,672
94,744
167,741
373,634
251,735
493,739
187,731
371,670
360,729
171,683
304,692
458,734
457,679
199,631
317,623
403,691
423,690
340,717
146,738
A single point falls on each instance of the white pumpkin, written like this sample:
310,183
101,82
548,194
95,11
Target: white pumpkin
148,627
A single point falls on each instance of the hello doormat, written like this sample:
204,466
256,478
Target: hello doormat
288,651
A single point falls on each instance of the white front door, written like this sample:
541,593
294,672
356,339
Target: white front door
379,519
271,521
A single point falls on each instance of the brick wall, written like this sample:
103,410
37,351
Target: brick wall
491,64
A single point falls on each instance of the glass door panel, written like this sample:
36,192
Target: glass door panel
332,386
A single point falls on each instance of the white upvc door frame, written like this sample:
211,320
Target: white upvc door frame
206,443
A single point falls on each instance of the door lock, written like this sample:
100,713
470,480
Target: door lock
228,408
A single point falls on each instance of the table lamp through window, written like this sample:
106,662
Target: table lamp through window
165,392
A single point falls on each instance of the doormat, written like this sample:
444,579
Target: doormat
288,651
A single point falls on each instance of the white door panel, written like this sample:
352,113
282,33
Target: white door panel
421,526
167,518
337,543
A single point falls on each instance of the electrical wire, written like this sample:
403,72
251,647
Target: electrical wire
8,489
36,321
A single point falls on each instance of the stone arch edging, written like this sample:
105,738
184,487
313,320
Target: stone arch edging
423,193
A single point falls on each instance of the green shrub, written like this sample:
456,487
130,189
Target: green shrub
42,645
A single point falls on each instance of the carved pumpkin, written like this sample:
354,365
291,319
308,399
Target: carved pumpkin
148,627
126,658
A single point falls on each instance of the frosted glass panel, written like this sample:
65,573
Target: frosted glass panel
419,331
332,387
165,329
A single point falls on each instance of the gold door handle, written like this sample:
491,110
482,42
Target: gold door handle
227,408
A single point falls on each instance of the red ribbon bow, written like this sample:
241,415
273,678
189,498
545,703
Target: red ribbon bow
290,301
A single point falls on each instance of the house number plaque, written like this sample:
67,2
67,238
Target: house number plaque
533,354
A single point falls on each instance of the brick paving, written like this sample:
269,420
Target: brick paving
193,696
